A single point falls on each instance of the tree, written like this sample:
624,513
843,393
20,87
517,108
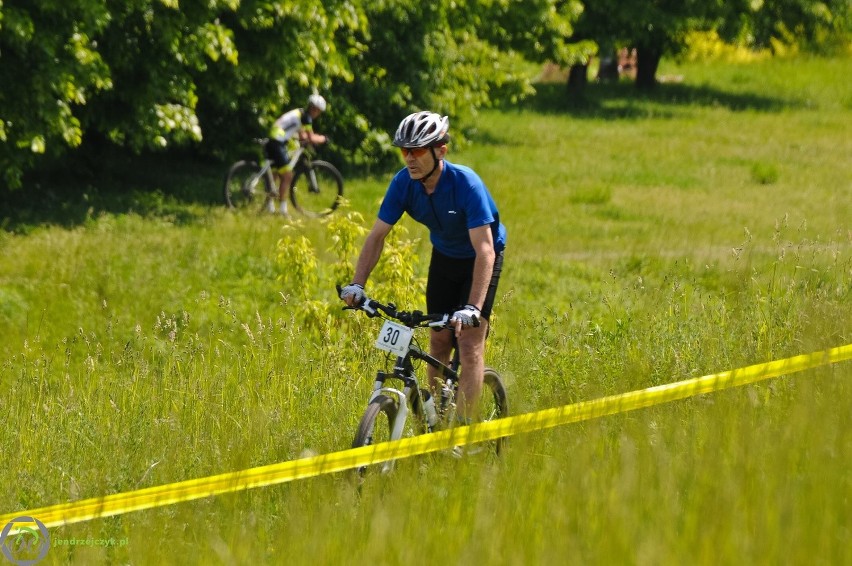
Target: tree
49,67
661,27
155,74
448,56
160,74
652,28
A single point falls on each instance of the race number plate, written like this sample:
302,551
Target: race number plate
394,338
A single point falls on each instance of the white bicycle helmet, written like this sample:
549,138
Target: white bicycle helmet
422,129
317,101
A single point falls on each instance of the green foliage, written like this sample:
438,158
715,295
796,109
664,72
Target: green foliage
659,24
395,276
709,46
50,65
346,231
301,271
298,263
539,31
159,74
820,26
449,57
156,52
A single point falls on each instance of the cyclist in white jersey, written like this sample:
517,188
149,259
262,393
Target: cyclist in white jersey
288,131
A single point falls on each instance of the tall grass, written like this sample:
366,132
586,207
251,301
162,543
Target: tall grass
651,239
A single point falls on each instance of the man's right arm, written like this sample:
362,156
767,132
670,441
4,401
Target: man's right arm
371,252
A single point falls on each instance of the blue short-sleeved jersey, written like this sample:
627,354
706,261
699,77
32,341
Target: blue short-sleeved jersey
460,202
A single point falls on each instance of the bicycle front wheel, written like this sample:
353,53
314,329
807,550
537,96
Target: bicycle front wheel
376,425
244,185
316,191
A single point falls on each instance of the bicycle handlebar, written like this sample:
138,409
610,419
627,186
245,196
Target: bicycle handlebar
412,319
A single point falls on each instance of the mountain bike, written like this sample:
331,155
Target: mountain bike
387,414
316,190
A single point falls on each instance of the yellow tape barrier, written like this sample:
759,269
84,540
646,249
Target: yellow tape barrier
272,474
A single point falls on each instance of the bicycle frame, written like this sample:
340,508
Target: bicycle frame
297,155
300,160
403,369
396,402
266,164
410,394
266,171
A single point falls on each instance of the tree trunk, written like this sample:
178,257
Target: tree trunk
648,59
578,77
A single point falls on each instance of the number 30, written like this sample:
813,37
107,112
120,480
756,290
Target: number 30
392,336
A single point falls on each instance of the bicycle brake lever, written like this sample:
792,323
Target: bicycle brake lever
367,307
442,322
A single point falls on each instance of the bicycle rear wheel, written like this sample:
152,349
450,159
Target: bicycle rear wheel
316,191
492,403
244,185
376,426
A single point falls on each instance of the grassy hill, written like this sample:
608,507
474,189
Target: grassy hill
151,336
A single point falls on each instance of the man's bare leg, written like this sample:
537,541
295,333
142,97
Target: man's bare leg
284,189
472,353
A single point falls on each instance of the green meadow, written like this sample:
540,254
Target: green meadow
150,336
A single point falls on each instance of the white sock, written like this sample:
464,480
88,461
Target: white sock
283,207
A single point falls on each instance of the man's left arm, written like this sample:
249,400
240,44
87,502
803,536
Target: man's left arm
483,267
483,244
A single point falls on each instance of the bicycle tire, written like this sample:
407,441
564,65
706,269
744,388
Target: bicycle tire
325,197
243,186
376,425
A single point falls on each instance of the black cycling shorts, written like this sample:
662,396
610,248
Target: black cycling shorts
448,286
276,151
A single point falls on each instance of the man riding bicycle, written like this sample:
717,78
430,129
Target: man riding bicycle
467,245
288,131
